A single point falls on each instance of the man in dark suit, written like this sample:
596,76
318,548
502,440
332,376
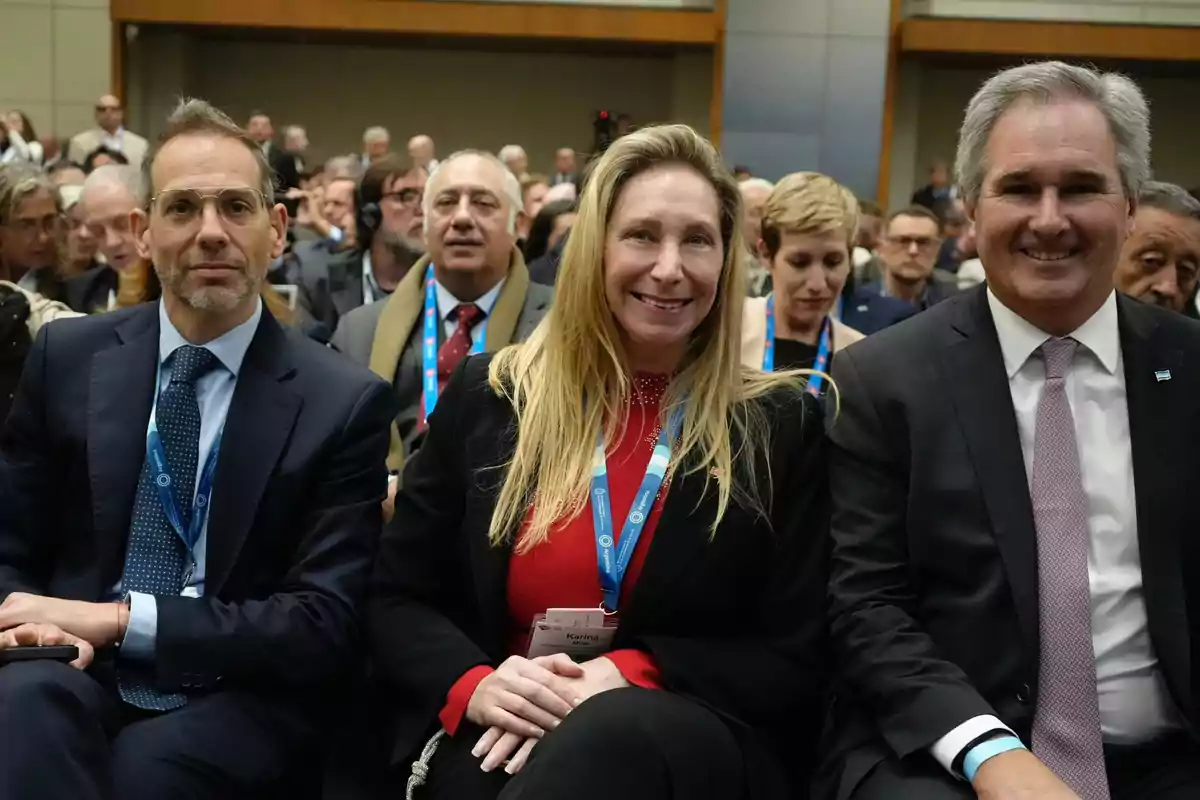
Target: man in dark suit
566,168
208,642
470,216
388,221
1012,546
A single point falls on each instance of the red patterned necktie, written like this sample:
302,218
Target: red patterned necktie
456,348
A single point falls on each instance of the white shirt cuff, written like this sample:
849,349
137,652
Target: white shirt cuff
142,631
948,748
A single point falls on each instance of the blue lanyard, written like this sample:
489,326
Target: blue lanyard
824,345
160,472
429,347
614,560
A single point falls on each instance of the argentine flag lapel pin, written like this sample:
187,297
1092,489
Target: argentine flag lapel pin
1162,375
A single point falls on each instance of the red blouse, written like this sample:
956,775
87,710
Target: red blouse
562,571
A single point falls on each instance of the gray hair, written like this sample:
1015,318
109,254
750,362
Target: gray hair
18,180
349,167
510,152
1171,198
193,116
119,175
376,133
512,186
757,183
1118,98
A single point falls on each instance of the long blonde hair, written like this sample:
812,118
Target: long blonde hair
570,381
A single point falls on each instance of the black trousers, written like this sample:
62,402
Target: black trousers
1168,769
625,744
67,735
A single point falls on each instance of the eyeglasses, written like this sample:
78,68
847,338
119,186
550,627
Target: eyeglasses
30,228
409,198
108,108
236,206
907,242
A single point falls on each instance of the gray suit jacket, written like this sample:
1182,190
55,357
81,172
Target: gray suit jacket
330,284
355,337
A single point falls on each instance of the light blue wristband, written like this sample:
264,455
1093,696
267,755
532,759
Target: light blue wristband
985,750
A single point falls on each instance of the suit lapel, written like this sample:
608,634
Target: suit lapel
977,383
1156,411
397,320
502,322
261,417
119,398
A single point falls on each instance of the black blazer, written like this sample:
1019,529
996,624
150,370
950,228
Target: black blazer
88,291
735,623
295,515
934,573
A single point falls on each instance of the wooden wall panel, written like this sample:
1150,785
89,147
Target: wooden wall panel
523,20
1060,39
716,108
891,87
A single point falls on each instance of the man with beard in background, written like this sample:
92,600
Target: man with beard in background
1160,262
388,220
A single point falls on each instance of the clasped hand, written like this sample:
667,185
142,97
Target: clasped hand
523,699
30,619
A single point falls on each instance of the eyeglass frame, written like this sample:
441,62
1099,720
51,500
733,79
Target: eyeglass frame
30,228
417,196
264,204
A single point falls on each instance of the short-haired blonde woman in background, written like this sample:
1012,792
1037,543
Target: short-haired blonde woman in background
808,227
621,464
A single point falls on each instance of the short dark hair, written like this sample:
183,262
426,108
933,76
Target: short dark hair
258,112
1171,198
869,208
89,163
380,173
62,165
920,212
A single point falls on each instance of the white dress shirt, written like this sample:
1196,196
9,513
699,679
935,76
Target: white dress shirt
1134,703
447,302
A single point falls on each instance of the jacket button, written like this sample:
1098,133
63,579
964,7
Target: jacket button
1024,694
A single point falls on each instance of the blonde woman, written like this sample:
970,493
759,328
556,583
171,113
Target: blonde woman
809,222
606,572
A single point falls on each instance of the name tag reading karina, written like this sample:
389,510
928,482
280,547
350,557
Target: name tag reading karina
581,633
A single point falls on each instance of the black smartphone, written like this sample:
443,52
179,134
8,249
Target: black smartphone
53,652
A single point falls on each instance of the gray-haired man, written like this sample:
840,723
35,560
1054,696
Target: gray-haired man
1012,553
1161,260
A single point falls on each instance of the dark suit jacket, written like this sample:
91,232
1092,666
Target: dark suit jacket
934,577
331,283
88,292
869,311
734,622
295,514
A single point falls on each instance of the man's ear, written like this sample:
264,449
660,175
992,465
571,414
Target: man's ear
279,225
139,223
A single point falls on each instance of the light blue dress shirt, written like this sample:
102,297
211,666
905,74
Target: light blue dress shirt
447,302
214,393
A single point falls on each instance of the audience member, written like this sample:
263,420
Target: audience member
867,265
910,246
533,197
755,192
103,156
514,157
109,199
566,169
741,173
377,144
1009,622
19,122
473,278
231,634
1160,262
81,246
32,248
712,685
422,153
109,132
807,227
260,129
938,194
66,173
388,241
543,248
958,240
15,146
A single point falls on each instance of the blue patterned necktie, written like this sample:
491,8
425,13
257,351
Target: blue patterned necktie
156,556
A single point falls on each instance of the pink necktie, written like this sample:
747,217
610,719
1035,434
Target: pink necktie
1066,726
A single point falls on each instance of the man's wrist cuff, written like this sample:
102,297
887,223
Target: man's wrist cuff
980,753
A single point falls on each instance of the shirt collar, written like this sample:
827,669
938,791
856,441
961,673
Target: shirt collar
447,302
1019,338
229,348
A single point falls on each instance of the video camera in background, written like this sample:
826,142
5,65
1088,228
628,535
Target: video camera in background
604,128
